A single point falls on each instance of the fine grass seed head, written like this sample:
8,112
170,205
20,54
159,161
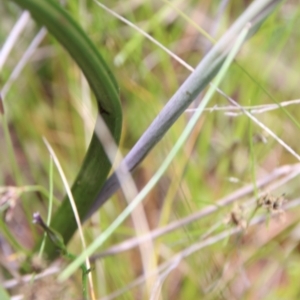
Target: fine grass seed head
273,204
237,217
8,200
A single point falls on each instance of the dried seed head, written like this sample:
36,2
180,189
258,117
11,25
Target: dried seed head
273,204
8,200
236,217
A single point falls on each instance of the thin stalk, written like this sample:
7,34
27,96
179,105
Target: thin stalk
144,192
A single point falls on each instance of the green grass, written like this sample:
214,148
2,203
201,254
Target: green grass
42,102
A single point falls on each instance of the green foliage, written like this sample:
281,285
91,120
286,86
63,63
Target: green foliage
96,164
214,162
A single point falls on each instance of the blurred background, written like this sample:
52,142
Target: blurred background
225,152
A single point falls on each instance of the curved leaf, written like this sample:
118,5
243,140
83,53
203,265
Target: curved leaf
96,165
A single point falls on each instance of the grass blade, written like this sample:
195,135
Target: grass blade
190,89
188,129
96,165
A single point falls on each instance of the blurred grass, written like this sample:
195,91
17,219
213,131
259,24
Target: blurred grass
200,175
